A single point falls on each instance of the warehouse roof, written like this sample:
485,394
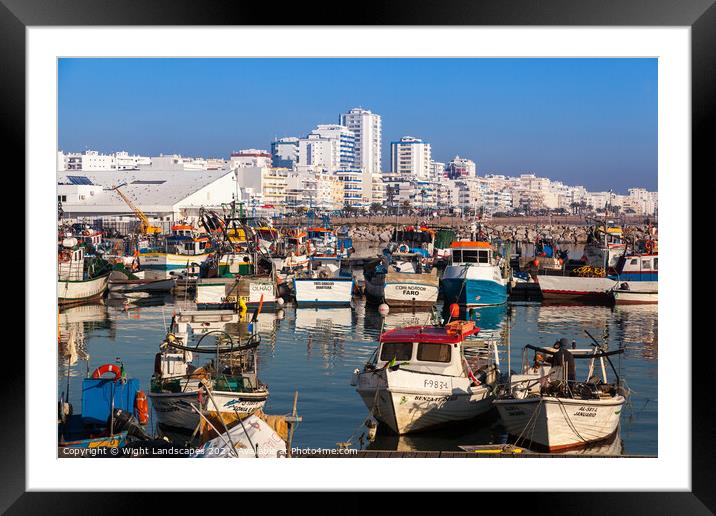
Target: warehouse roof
151,189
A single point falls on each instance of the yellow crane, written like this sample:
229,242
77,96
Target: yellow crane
144,225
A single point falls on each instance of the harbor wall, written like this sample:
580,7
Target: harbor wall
561,233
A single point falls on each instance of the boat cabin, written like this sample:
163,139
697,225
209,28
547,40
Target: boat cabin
433,349
477,253
641,267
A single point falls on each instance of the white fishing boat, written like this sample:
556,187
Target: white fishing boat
183,248
404,283
79,280
226,293
226,388
576,288
138,282
323,286
638,274
419,377
546,409
605,246
636,292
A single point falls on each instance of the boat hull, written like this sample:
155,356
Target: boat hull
169,261
323,292
558,424
474,292
403,289
174,409
162,285
70,292
576,288
224,293
637,293
403,405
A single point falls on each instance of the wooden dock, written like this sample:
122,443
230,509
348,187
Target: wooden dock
387,454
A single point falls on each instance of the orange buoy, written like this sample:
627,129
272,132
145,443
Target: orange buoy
454,310
536,262
141,407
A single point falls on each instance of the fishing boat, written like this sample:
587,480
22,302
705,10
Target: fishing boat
101,423
80,278
547,259
227,293
410,240
605,245
139,282
323,286
474,276
588,288
406,282
546,409
225,388
419,377
638,275
182,249
636,293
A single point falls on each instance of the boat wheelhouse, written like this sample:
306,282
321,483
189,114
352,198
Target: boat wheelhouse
605,245
474,276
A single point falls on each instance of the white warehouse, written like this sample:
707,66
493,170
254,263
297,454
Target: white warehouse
166,195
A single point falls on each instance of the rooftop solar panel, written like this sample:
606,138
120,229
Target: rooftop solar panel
79,180
147,182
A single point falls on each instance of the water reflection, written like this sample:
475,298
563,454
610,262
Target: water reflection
73,323
315,350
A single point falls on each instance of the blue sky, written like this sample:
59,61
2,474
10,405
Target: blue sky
583,121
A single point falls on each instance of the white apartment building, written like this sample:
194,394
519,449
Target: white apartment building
319,190
367,130
437,169
125,161
263,185
174,162
401,191
469,194
354,191
328,147
250,158
378,190
411,157
284,152
460,167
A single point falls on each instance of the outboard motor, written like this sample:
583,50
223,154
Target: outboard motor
122,421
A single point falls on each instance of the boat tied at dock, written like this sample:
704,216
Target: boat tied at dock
419,377
547,409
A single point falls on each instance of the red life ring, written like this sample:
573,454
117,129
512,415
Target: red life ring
107,368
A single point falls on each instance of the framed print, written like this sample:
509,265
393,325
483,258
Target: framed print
425,236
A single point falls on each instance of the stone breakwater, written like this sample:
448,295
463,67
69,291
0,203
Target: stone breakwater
507,232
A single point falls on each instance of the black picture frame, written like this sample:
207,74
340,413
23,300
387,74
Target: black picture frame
700,15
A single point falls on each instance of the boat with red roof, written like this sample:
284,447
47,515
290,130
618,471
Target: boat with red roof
420,377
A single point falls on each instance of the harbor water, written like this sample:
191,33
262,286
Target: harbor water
315,350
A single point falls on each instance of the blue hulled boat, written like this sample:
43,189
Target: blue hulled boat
473,277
